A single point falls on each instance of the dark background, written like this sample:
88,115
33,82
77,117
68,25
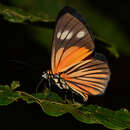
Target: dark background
23,59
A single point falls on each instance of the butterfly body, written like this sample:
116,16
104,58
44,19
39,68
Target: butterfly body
57,79
73,64
61,83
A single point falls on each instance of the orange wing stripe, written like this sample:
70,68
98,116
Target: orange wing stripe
76,56
92,87
78,90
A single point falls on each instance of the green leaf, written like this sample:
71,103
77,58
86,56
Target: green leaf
116,120
18,15
31,10
15,84
47,9
7,95
46,95
53,108
91,114
53,105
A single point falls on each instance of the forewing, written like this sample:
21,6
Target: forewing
88,77
72,40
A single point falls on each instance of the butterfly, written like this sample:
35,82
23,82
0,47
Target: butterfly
74,66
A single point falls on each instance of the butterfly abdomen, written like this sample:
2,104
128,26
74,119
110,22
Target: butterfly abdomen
59,82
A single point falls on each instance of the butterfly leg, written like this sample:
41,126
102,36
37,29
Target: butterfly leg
65,97
49,89
39,84
49,83
72,96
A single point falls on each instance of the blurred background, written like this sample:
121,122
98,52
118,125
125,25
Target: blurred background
25,49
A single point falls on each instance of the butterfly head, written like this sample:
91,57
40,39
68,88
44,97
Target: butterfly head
45,75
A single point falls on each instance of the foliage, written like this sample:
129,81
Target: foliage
53,105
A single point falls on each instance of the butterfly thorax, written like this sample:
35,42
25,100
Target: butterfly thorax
58,80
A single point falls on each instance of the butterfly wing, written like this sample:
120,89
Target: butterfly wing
71,48
72,41
89,77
